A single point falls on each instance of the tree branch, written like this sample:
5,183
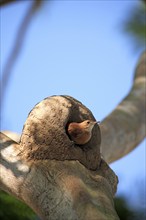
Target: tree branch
12,170
5,2
55,177
12,135
44,169
124,128
7,72
58,189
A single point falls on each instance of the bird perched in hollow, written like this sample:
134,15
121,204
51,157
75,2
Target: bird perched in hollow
81,133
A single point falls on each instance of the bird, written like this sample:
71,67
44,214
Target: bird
81,132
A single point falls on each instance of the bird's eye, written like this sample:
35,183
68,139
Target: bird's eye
88,122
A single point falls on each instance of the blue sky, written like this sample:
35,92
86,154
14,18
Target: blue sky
75,48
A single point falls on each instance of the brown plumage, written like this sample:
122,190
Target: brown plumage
81,133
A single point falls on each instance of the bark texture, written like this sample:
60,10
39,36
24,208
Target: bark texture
61,180
44,134
58,189
125,127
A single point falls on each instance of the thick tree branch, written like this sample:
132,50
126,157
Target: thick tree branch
12,170
44,171
125,127
58,189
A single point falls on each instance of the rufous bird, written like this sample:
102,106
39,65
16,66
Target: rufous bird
81,132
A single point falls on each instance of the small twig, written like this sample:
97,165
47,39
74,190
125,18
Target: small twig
5,2
7,72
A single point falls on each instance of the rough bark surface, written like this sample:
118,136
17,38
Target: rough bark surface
125,127
58,189
44,134
60,180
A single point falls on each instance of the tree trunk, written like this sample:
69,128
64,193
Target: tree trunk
59,179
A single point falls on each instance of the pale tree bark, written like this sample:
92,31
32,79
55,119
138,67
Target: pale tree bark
125,127
60,180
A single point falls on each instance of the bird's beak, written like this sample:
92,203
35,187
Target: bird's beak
96,122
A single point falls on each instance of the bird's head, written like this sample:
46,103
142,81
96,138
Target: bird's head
88,124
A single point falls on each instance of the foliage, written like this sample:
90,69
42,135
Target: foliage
13,209
125,212
135,25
